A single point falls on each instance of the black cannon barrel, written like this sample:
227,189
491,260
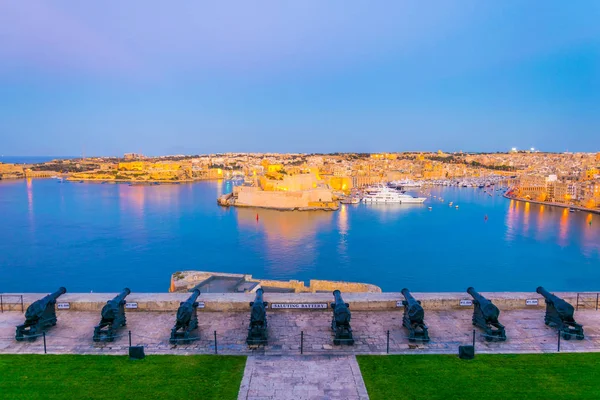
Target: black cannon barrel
488,308
37,308
185,312
545,293
406,293
121,296
61,290
337,295
475,294
415,310
565,309
192,299
471,290
259,296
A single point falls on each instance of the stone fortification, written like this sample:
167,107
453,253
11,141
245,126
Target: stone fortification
303,200
238,302
186,280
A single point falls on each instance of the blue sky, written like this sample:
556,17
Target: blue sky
312,76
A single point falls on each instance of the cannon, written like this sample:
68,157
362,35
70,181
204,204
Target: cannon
485,316
113,317
39,316
340,322
560,314
413,318
187,320
257,330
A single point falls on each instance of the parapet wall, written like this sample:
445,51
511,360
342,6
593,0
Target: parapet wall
239,302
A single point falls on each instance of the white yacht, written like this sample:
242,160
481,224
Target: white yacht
384,194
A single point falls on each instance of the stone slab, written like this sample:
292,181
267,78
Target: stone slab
448,329
302,378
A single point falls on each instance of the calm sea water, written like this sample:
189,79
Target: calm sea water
95,237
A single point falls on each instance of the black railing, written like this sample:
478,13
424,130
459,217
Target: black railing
587,301
10,304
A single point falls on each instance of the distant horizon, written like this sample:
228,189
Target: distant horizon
304,153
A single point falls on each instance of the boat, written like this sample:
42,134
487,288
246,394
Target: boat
571,210
383,194
405,183
430,208
350,200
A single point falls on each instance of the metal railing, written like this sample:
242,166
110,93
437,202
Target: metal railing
10,304
303,343
587,301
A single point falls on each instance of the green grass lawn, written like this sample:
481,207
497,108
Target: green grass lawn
63,377
498,376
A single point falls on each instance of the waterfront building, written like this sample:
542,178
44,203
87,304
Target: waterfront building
359,181
133,156
533,187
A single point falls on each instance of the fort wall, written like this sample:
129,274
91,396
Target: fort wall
238,302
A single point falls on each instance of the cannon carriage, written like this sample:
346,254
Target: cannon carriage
559,313
257,330
187,320
39,316
413,318
485,316
340,322
113,318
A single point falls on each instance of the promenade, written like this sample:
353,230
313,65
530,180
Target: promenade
560,205
296,332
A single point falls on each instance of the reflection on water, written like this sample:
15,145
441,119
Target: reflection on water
29,197
98,237
564,227
343,229
289,236
540,225
512,220
526,211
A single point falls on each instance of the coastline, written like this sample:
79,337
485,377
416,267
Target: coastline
560,205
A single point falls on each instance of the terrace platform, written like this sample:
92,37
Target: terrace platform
448,329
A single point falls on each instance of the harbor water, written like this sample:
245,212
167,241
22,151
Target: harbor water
103,237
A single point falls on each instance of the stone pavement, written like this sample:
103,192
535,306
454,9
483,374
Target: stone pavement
302,377
448,329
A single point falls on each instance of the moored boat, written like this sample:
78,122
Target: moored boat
383,194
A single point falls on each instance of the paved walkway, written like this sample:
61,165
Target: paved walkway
448,329
302,378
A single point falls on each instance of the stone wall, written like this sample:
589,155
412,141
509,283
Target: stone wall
239,301
186,280
282,199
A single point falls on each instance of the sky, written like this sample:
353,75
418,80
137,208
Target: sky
195,77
